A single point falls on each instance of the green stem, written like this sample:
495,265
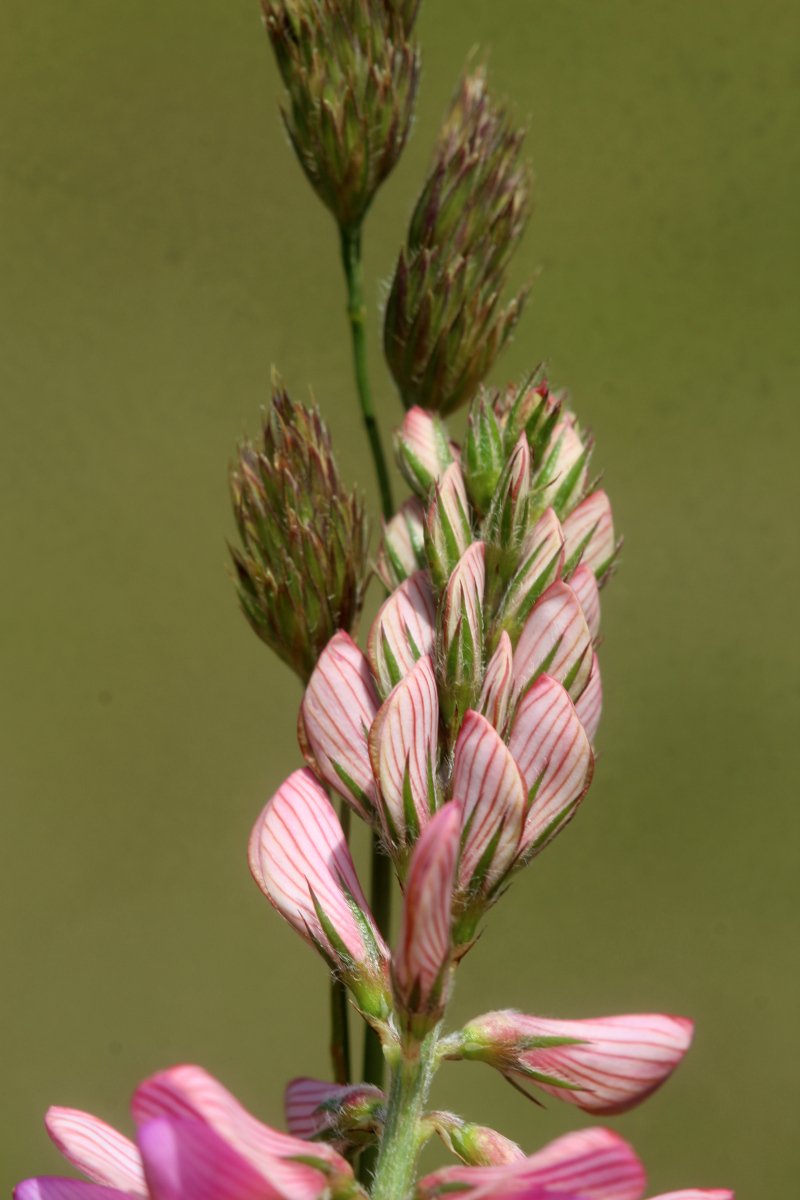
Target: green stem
357,313
400,1144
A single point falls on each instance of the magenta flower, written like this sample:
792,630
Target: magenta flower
194,1141
606,1065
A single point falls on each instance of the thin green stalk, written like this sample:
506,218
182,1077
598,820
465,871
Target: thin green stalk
400,1144
381,890
357,314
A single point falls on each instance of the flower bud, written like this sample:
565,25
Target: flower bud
302,564
484,455
475,1145
422,449
589,534
444,326
351,72
496,690
421,960
460,635
603,1066
447,527
402,548
541,562
402,632
347,1115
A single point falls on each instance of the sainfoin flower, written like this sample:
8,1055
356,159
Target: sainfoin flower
194,1141
593,1164
606,1065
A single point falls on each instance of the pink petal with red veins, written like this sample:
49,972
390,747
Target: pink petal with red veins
593,1164
402,550
424,945
555,639
464,593
491,791
551,749
311,1104
496,690
97,1150
48,1187
402,742
185,1158
190,1092
339,705
298,853
594,520
589,704
403,631
584,585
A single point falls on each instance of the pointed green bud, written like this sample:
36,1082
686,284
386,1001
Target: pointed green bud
460,636
301,566
402,550
444,324
506,522
483,456
447,526
351,70
475,1145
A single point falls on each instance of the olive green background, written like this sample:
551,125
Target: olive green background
159,251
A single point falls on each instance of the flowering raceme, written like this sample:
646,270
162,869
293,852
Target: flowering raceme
462,735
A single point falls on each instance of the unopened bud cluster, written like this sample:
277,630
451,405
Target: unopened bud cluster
302,562
445,323
351,69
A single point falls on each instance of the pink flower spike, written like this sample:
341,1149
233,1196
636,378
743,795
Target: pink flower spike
402,746
555,639
551,749
102,1154
402,632
185,1158
48,1187
591,526
491,791
589,704
496,690
607,1066
338,708
584,585
424,948
300,860
592,1164
190,1092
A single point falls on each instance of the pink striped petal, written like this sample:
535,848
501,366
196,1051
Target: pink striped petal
592,1164
589,704
592,522
542,562
567,448
338,708
425,944
49,1187
97,1150
617,1062
402,745
298,855
464,594
402,632
491,791
185,1158
402,549
697,1194
496,690
555,639
189,1092
552,751
584,585
447,525
314,1106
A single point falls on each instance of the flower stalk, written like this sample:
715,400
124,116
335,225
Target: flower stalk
402,1135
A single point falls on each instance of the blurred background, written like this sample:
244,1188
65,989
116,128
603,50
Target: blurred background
159,252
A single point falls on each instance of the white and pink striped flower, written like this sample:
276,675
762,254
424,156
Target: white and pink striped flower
300,860
604,1066
193,1141
340,1113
